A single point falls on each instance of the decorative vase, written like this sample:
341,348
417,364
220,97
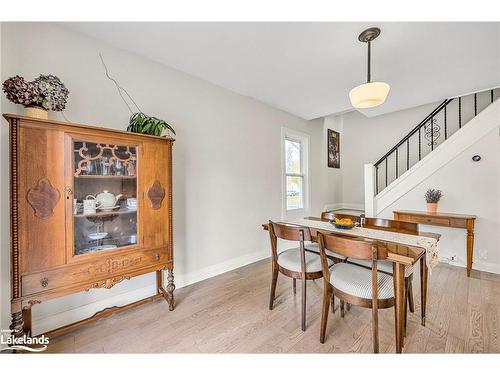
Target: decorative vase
36,112
432,208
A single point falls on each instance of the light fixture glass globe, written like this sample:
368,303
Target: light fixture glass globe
369,95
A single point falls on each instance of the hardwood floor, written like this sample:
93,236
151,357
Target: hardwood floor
229,314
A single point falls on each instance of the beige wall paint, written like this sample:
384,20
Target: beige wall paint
227,162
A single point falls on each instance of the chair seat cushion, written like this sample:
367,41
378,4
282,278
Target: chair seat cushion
357,281
382,265
313,246
290,259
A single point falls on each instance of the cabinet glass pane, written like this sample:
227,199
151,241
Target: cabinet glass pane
105,196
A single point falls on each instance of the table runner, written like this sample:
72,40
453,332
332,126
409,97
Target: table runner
427,243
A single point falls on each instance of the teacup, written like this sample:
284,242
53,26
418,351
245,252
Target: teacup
90,206
132,202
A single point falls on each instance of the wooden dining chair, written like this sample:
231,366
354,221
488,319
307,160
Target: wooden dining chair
296,262
386,266
354,284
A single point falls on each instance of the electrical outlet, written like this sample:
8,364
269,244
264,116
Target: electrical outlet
483,254
453,258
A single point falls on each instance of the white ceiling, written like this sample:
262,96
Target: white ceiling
308,68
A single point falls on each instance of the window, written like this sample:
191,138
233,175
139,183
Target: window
295,149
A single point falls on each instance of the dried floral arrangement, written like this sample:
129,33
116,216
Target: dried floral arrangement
46,91
139,122
433,195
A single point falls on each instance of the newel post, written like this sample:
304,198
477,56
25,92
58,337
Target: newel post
370,204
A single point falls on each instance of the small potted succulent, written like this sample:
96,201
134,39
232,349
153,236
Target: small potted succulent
432,197
45,93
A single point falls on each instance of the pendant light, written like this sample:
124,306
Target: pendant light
369,94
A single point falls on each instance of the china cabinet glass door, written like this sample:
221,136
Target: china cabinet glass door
105,196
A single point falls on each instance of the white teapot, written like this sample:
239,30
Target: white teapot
106,199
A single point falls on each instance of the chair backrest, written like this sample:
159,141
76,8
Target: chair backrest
391,225
348,246
351,247
289,233
330,215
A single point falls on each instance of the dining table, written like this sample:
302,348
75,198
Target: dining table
402,249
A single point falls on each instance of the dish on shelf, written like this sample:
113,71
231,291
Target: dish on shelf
97,236
106,209
97,248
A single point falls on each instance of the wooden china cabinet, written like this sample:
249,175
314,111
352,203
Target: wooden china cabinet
90,207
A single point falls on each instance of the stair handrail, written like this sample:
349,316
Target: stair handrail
415,129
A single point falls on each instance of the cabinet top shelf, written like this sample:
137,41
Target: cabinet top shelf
9,116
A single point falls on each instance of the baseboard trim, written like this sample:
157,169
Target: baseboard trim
477,265
50,322
344,206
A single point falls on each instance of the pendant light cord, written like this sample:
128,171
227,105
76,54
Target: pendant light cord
369,75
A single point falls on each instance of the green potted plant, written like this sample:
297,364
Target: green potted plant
432,197
139,122
142,123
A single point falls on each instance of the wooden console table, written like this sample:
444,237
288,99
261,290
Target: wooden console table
443,220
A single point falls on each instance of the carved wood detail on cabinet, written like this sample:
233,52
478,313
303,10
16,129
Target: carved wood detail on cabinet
63,253
109,283
43,197
156,193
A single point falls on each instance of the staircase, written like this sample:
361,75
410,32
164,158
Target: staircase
416,151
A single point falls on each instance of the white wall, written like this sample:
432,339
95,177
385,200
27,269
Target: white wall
366,140
226,158
468,187
335,178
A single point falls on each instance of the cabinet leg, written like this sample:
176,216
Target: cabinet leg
17,325
170,289
27,321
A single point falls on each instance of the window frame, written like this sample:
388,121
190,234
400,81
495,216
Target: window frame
303,139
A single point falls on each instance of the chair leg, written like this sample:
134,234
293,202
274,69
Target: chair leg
303,304
410,294
327,295
294,286
375,328
342,311
348,307
333,303
405,306
273,287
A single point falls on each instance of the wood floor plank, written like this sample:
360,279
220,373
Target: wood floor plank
229,314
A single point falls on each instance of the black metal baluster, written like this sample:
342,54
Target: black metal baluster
376,180
397,157
475,104
419,145
445,128
491,95
459,113
432,134
408,154
386,172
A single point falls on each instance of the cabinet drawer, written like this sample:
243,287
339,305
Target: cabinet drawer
442,221
93,270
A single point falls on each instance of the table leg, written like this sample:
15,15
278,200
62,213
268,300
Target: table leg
398,304
470,246
423,288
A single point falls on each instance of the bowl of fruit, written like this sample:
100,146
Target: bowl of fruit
344,223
